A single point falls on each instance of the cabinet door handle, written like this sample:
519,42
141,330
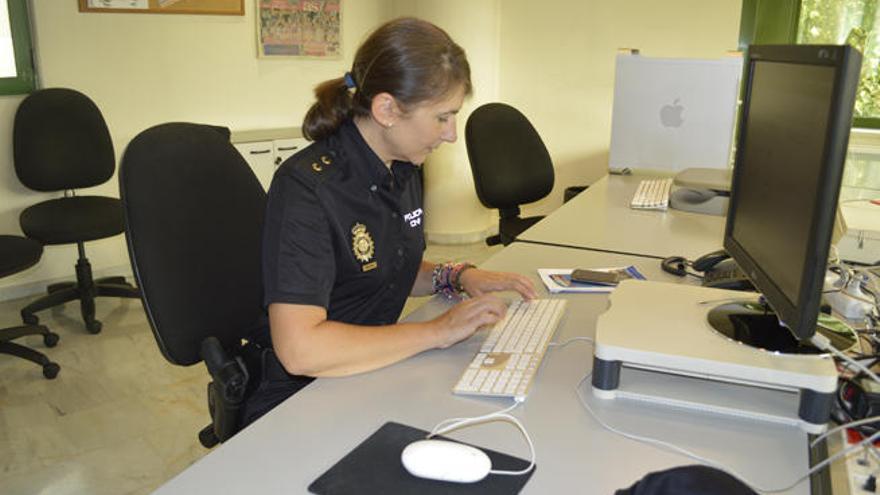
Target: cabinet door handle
287,148
260,152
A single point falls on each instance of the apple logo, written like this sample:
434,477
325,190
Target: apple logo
670,115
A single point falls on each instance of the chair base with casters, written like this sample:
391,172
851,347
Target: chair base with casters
85,289
50,339
18,254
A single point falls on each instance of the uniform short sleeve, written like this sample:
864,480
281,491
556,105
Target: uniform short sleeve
298,264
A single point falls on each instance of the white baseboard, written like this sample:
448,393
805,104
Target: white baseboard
18,291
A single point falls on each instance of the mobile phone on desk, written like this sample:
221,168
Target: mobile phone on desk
596,277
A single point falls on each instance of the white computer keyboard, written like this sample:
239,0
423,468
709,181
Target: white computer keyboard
513,350
652,194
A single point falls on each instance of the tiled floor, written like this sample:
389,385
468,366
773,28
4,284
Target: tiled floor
119,419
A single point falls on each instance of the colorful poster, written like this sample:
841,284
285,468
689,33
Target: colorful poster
300,28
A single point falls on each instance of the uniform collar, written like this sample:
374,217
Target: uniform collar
377,172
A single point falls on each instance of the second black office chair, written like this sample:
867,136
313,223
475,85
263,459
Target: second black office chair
194,217
510,164
61,143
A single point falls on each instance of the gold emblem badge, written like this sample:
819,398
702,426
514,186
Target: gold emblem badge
361,243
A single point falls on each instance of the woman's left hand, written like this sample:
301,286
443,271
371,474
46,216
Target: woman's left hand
478,282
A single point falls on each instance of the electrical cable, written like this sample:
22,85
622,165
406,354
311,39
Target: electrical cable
824,344
709,462
843,426
569,341
453,424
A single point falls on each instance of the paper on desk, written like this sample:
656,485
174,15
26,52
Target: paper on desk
559,279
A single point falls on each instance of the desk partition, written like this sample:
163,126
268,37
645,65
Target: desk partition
303,437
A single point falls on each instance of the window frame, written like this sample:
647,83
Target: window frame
19,23
776,22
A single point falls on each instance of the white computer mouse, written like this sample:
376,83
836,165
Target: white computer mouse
446,461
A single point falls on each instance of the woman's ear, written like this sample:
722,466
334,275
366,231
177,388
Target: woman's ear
384,109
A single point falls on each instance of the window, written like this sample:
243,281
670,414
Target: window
16,63
856,22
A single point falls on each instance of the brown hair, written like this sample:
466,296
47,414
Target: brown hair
411,59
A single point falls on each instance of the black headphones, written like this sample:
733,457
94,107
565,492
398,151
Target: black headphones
676,265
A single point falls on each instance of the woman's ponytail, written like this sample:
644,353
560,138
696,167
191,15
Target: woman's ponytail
332,107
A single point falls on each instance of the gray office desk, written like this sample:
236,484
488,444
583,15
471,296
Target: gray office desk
600,219
295,443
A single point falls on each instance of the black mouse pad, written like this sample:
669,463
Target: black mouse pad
374,467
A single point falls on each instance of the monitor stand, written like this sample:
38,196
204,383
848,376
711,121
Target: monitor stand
702,190
655,344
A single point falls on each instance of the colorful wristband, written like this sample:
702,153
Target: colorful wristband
445,278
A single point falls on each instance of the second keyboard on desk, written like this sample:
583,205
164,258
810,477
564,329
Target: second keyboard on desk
513,350
652,194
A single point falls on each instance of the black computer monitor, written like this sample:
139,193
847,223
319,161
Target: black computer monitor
793,135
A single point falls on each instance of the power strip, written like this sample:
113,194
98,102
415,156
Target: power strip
862,469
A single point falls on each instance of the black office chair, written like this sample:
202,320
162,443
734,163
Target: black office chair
61,143
510,163
193,222
18,254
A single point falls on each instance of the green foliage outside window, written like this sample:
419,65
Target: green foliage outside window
855,22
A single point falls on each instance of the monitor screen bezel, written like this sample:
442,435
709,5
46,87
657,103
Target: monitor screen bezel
800,316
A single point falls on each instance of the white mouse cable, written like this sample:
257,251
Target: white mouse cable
569,341
456,423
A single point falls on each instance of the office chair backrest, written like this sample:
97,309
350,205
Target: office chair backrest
60,141
510,164
194,215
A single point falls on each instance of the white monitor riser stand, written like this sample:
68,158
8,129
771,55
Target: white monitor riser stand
655,344
702,190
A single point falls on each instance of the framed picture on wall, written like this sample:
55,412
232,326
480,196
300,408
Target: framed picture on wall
227,7
299,28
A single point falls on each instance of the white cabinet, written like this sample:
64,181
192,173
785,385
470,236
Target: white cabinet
266,155
284,148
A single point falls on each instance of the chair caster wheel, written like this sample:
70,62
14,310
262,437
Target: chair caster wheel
50,370
50,339
207,437
30,319
94,326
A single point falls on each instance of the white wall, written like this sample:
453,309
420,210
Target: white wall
145,69
557,67
453,214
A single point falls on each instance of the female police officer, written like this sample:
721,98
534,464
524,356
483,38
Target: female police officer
343,237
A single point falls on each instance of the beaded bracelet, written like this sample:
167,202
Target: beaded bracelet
446,278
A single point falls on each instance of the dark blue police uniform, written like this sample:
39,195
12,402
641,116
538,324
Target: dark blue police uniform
342,232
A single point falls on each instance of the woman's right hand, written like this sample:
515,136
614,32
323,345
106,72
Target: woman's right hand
466,317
